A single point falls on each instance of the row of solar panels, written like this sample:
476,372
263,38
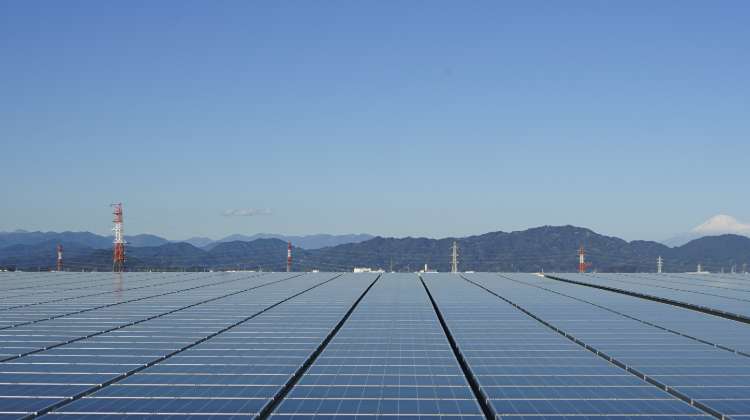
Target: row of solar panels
297,346
671,348
725,294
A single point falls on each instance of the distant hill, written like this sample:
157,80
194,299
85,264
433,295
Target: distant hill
44,255
141,240
199,241
22,237
551,248
316,241
88,239
266,254
543,248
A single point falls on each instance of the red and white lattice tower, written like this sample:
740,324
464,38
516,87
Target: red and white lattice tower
289,257
118,253
59,258
582,264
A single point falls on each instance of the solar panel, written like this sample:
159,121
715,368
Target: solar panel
238,371
674,361
38,331
391,358
732,335
730,301
327,345
101,358
526,369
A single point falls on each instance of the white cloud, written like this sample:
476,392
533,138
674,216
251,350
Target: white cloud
247,212
721,224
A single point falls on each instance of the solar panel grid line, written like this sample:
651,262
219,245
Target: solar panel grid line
706,409
94,280
120,280
651,324
37,292
89,295
45,281
23,283
696,292
172,354
701,283
123,302
103,281
694,307
271,405
130,324
703,293
693,282
482,399
92,307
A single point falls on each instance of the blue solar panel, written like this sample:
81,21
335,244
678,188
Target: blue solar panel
294,346
526,369
103,357
731,335
672,360
700,291
391,358
240,370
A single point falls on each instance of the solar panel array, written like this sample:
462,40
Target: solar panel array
723,294
369,345
391,357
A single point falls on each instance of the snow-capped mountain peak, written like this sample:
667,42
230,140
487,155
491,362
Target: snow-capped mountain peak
721,224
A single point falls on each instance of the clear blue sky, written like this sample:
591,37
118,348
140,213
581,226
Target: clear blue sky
388,117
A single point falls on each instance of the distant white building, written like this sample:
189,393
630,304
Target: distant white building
367,270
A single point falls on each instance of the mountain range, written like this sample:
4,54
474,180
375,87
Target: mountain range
548,248
92,240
